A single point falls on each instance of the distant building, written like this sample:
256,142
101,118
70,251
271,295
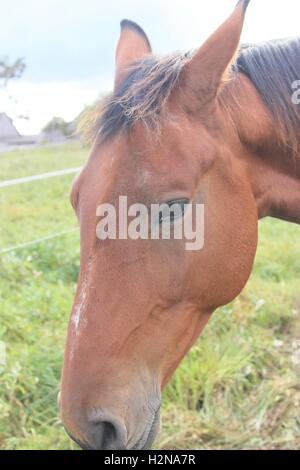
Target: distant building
7,129
10,137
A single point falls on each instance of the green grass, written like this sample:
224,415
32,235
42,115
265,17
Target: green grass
237,389
24,162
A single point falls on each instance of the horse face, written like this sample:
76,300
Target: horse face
141,303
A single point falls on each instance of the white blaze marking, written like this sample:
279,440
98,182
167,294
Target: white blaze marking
78,309
76,319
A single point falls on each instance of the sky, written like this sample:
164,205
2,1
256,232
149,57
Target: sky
69,45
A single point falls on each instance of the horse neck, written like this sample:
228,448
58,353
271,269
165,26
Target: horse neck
273,168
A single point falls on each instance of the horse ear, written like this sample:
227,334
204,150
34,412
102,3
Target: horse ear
205,71
133,44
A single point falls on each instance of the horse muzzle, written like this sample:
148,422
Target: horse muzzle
104,432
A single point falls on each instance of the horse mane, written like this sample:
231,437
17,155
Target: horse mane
272,67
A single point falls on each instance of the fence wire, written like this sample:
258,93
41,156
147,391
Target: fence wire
37,241
43,176
27,179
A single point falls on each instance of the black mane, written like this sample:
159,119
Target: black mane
273,67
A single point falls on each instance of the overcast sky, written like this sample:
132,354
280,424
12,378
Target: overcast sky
69,45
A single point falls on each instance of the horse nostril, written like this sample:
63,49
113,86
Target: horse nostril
107,436
110,434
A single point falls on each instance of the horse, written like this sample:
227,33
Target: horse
218,127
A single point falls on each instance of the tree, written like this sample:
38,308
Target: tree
10,70
59,124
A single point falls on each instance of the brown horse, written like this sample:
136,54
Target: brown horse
217,127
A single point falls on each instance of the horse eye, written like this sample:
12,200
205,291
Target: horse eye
172,210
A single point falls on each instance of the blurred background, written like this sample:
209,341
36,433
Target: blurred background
239,387
68,47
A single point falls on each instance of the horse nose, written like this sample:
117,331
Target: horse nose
102,435
107,435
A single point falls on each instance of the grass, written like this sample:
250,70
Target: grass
239,387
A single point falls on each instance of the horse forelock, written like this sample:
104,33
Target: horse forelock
142,96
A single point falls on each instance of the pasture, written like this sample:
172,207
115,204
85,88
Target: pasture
239,388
